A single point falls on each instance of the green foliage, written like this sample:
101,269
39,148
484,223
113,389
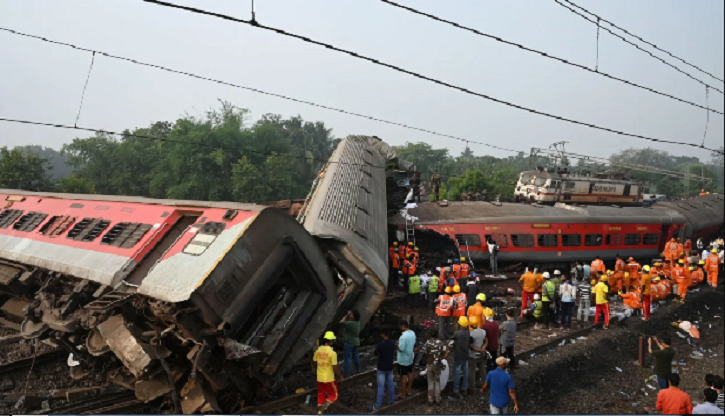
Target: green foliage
25,171
56,161
74,184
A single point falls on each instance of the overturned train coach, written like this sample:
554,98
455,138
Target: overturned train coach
564,233
202,304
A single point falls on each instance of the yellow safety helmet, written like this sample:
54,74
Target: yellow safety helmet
604,278
646,268
488,312
690,268
463,321
415,249
594,282
329,335
481,297
681,261
472,320
714,250
701,262
626,275
610,272
463,259
658,263
395,244
456,288
410,243
407,256
448,289
656,279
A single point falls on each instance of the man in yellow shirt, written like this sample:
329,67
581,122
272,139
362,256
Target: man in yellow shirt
325,360
646,288
601,290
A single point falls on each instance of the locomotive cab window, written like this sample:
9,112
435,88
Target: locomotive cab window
650,239
547,240
614,239
571,240
522,240
473,240
632,239
593,240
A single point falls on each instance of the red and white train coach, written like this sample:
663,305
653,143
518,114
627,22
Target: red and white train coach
563,233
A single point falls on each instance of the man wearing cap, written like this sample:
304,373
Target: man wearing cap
645,286
502,389
455,272
444,310
325,359
476,310
463,277
601,291
477,354
548,295
712,264
462,343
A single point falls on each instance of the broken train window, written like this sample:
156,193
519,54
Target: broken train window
204,237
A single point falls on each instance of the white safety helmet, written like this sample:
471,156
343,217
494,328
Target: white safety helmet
546,275
537,297
557,273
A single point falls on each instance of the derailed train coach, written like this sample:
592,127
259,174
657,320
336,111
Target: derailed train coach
199,304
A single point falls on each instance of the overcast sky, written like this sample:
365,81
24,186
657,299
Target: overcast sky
43,82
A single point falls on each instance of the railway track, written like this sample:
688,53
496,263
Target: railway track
109,403
27,362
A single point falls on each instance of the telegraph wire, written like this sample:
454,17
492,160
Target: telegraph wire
642,40
88,77
418,75
594,70
229,84
633,44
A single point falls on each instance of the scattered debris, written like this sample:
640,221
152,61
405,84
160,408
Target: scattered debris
618,369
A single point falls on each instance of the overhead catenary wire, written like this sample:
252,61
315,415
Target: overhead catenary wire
642,40
594,70
83,94
416,74
635,45
256,90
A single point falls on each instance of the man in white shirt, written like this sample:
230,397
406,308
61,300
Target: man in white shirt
424,280
493,253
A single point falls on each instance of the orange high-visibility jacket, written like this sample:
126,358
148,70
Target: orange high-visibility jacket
688,245
459,304
414,258
408,268
393,254
680,249
456,271
634,269
671,250
598,265
632,299
464,271
698,276
402,251
712,262
678,273
445,305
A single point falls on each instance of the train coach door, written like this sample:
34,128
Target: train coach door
627,190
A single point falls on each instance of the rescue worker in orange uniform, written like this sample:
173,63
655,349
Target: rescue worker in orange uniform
712,263
476,310
530,284
633,300
408,267
598,265
618,278
402,251
680,248
444,310
634,268
656,287
698,276
463,274
678,275
409,250
394,260
455,272
671,252
666,283
414,257
687,247
442,280
460,303
645,289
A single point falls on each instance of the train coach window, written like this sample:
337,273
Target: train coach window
632,239
522,240
650,239
614,239
501,239
56,225
547,240
9,216
571,240
29,221
473,240
593,240
88,229
125,234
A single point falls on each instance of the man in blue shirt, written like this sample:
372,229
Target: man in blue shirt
386,355
502,389
406,343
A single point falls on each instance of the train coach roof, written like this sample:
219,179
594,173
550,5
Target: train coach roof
484,212
138,200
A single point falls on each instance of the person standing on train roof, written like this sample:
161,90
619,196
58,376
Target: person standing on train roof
435,186
601,292
455,272
529,285
712,265
645,286
598,265
444,310
460,304
463,275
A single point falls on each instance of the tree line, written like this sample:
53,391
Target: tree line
223,156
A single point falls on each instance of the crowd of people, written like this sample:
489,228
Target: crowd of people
481,351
